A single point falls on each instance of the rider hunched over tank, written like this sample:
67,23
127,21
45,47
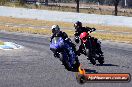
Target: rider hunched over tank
90,46
63,48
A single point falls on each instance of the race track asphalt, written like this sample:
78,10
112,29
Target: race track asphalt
35,66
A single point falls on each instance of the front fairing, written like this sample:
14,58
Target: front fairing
57,43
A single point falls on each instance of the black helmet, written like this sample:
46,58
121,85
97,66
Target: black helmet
78,24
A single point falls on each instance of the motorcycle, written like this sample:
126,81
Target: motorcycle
65,53
90,47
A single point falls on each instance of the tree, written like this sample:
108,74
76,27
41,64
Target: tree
2,2
98,2
46,2
22,2
77,1
116,3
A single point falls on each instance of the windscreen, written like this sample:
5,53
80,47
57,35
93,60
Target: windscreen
55,40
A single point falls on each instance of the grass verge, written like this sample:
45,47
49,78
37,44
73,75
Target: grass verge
61,24
104,36
107,36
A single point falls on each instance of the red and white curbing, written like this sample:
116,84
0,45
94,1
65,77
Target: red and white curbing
10,46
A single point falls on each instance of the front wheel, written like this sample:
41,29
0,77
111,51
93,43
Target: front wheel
90,56
101,60
92,60
76,65
61,57
87,52
65,61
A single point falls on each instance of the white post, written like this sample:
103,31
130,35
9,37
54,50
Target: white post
98,3
125,3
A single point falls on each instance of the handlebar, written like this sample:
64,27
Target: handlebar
89,31
92,29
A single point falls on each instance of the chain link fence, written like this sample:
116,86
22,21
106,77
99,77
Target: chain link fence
104,7
123,3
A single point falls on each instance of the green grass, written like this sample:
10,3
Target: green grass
105,36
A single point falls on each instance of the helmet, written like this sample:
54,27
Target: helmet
78,24
84,36
55,29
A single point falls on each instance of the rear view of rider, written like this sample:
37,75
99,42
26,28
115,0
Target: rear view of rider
78,30
57,33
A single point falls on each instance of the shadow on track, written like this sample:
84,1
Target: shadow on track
90,71
107,65
86,70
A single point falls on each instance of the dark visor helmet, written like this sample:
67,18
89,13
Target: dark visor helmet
78,24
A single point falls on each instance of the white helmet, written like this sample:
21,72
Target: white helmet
55,29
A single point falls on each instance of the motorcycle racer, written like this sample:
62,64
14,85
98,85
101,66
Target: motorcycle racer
57,33
80,29
69,58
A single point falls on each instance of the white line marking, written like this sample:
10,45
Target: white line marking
31,27
43,28
15,26
22,24
8,23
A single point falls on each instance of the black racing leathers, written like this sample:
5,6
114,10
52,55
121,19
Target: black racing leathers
85,29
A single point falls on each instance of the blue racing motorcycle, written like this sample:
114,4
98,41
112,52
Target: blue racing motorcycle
65,53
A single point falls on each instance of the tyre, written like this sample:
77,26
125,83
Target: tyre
66,62
61,56
91,57
76,65
87,52
93,61
101,60
67,66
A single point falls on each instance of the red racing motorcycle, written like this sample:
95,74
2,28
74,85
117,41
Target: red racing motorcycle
91,47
